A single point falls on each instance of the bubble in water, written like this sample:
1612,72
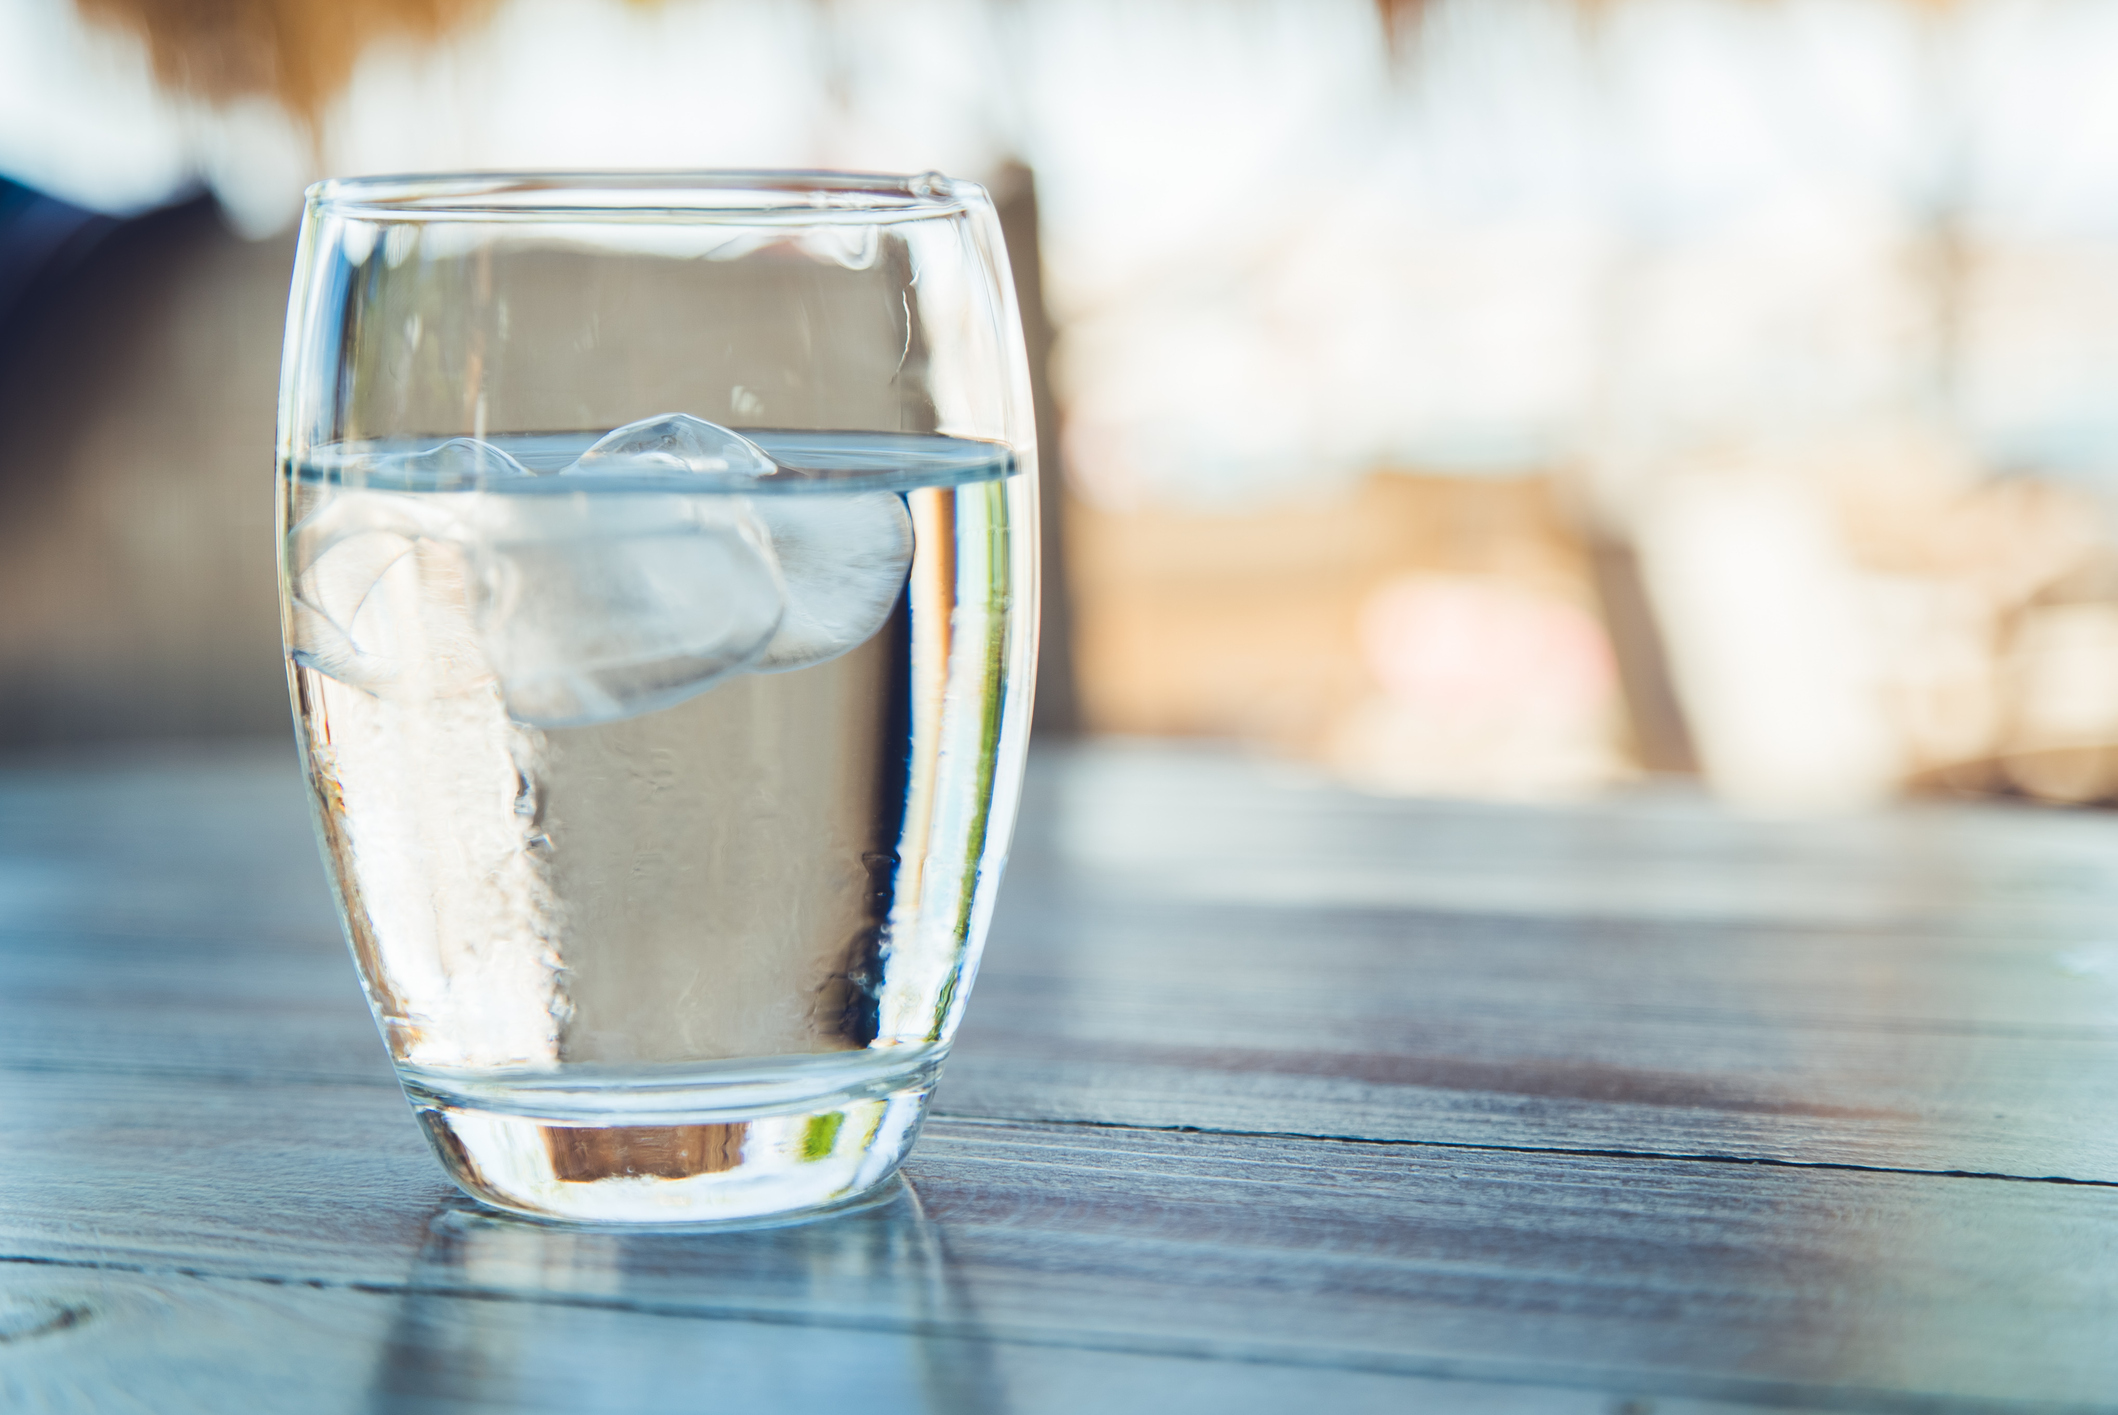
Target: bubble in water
594,608
844,560
672,442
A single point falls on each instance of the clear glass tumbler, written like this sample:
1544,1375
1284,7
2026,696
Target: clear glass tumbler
659,588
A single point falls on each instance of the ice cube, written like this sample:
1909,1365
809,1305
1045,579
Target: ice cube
672,442
378,594
843,559
460,464
592,608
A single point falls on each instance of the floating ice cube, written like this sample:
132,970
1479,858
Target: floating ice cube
586,607
593,608
460,464
379,594
672,442
843,559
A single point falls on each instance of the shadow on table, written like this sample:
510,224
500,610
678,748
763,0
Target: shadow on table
859,1311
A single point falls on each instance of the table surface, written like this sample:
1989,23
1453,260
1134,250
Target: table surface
1272,1097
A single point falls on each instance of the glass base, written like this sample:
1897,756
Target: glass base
749,1141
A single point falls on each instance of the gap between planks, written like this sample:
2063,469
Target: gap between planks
1691,1157
1322,1137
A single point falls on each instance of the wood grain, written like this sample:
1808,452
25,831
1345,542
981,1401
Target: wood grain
176,1345
1747,1283
1272,1097
1194,941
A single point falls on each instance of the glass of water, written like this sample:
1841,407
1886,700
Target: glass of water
659,586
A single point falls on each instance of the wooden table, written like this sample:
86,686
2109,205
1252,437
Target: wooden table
1272,1098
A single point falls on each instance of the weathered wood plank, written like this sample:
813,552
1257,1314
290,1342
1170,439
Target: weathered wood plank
1692,1279
87,1342
1189,940
1678,1040
1182,942
1096,1036
1197,823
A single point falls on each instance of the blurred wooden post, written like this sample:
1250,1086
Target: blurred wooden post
1058,705
1661,736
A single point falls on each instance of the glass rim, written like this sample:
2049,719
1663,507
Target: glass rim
733,196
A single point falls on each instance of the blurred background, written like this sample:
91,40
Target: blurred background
1493,398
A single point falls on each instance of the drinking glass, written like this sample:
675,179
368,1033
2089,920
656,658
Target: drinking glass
658,582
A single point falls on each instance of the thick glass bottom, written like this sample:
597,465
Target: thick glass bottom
726,1145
